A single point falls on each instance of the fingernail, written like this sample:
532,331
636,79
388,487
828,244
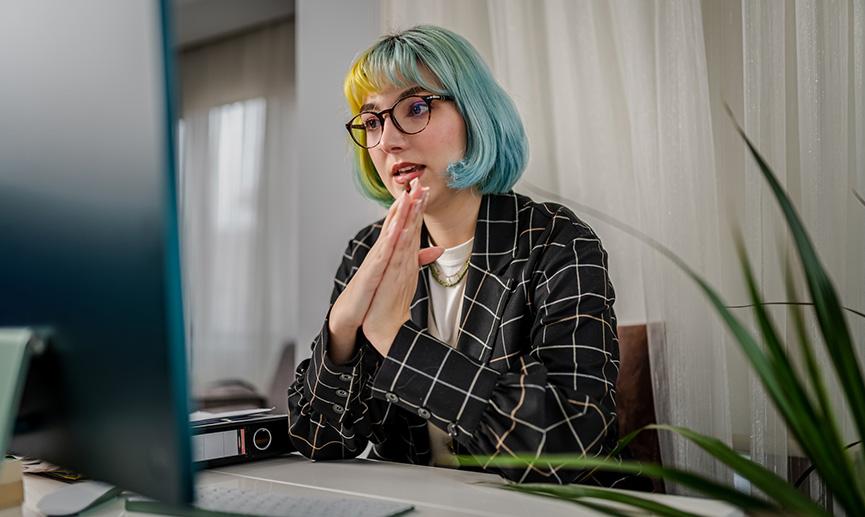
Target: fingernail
413,184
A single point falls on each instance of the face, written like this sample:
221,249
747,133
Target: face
399,158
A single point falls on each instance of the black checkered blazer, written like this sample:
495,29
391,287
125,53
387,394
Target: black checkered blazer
534,370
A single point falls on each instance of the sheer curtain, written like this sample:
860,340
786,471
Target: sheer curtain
623,103
795,70
236,204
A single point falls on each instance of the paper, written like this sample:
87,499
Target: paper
198,417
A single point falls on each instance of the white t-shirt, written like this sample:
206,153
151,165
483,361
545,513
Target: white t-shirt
445,305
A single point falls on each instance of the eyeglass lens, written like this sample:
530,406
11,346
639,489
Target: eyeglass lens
409,115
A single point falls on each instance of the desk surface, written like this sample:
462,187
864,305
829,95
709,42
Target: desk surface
433,491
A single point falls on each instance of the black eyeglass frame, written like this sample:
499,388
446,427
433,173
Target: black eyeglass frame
380,116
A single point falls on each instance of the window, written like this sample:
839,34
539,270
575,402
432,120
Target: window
236,141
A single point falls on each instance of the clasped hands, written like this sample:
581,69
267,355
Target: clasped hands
378,297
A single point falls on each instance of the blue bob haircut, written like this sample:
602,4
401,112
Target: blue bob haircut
444,63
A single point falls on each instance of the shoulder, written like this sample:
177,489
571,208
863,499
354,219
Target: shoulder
542,223
557,246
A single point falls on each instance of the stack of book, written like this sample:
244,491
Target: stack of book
11,488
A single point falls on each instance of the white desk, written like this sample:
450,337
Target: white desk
433,491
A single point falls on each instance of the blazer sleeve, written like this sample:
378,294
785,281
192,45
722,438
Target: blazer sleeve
558,395
326,413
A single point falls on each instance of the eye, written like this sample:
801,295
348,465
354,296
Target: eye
370,123
417,108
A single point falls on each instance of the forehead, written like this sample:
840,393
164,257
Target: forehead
385,98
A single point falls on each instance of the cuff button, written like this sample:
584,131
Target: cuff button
452,430
391,397
423,413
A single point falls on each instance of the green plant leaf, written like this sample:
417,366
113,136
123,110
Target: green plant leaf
805,304
807,353
859,467
767,481
575,494
598,507
830,317
859,197
806,418
623,442
773,486
748,344
811,468
806,422
699,483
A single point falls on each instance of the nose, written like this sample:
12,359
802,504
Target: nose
392,139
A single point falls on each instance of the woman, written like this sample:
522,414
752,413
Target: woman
471,320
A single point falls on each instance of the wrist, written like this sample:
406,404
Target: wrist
382,338
341,343
337,320
339,328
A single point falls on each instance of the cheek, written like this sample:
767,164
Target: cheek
378,160
449,143
456,141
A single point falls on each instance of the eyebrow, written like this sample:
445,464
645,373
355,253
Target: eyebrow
407,93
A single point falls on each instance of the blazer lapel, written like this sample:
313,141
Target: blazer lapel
420,303
487,287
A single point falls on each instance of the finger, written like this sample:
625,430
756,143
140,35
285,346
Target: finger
405,253
415,221
397,223
400,219
418,219
416,190
392,212
410,215
373,267
429,255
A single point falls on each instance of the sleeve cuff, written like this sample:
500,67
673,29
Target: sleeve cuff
332,389
429,378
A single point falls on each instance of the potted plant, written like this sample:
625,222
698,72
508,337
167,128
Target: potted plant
801,400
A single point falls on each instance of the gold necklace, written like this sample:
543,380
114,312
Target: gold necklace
452,280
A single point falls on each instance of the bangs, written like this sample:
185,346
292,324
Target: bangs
392,64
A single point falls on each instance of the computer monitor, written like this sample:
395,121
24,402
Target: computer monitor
89,236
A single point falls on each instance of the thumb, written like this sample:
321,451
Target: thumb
428,255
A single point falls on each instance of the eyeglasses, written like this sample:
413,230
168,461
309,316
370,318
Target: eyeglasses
409,115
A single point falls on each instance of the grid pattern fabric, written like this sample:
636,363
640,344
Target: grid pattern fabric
534,370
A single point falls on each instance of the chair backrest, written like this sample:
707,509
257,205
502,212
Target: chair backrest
283,377
234,394
635,403
229,395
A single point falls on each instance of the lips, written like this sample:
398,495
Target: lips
404,172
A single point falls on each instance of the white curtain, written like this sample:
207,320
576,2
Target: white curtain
623,102
795,72
236,204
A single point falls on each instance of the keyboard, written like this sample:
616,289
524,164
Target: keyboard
221,501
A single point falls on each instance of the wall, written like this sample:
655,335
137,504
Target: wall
330,208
